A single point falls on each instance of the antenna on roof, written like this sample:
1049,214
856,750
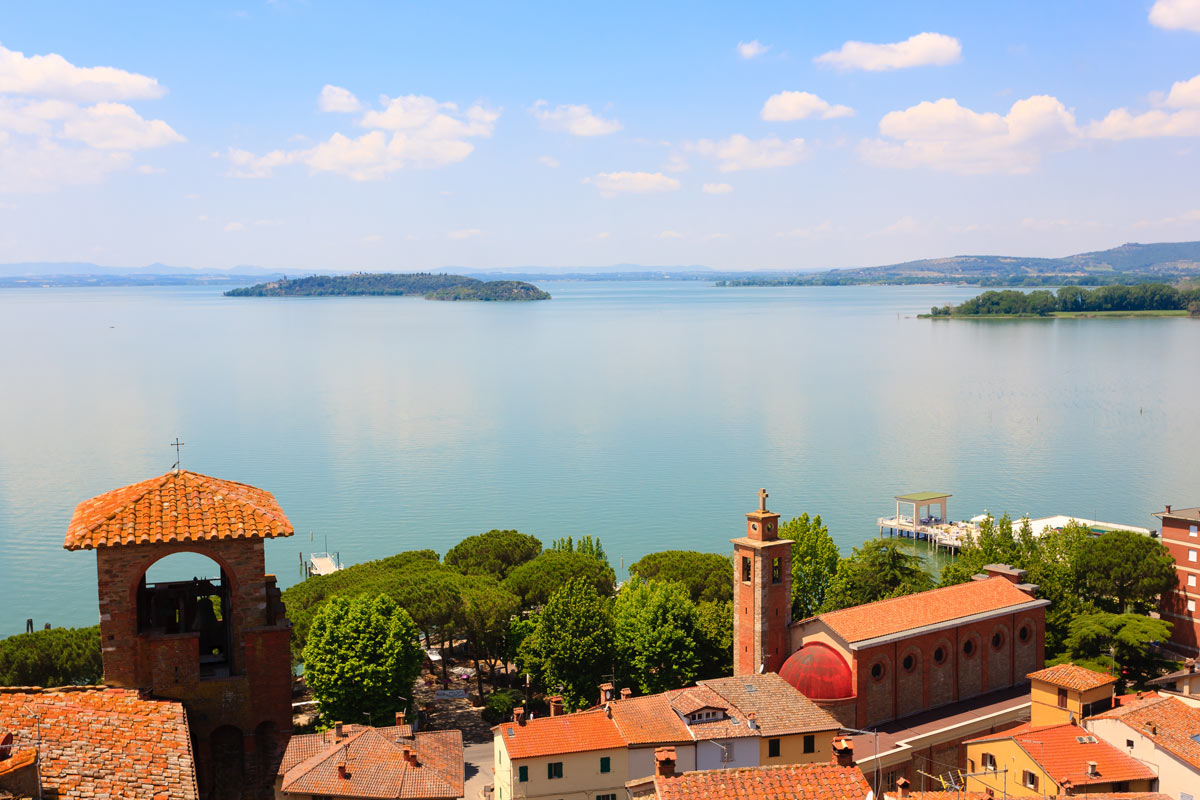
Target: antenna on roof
178,456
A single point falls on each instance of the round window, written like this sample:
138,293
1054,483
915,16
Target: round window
969,647
910,662
939,655
877,670
1024,633
998,640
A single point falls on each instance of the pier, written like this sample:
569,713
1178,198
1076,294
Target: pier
933,525
324,563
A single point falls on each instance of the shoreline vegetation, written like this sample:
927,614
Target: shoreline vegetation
377,284
1142,300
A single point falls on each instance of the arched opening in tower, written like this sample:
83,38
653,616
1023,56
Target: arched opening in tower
170,603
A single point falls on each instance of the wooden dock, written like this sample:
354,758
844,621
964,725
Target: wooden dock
324,563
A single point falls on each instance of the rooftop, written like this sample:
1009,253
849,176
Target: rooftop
102,742
777,707
374,764
1191,514
930,608
790,782
1063,752
177,507
566,733
1170,723
1069,676
921,497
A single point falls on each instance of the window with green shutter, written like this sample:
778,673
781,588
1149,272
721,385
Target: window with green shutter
523,774
605,764
772,748
554,769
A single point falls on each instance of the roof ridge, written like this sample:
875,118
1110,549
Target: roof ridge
909,597
320,757
247,498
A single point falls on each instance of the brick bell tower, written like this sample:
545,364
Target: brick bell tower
218,644
762,594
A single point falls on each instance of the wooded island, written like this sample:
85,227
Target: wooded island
428,285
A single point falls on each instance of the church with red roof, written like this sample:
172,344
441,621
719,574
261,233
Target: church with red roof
874,663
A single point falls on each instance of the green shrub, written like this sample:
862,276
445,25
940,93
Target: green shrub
500,705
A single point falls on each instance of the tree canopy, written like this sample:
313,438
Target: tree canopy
657,636
494,553
1127,570
1101,640
534,581
877,570
362,658
707,576
587,545
814,563
54,657
572,645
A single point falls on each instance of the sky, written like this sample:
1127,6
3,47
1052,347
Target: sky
406,136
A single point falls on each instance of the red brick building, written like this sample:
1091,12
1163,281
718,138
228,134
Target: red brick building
220,646
1181,536
874,663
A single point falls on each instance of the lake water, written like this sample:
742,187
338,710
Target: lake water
646,413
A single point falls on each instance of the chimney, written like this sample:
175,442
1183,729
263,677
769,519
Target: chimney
1010,574
751,721
519,715
1168,511
556,705
843,752
606,693
664,762
410,757
399,717
1091,770
337,730
342,773
626,694
902,785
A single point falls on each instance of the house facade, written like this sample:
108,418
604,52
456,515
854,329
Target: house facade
1181,536
1158,731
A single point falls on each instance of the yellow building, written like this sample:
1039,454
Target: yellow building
725,723
1051,754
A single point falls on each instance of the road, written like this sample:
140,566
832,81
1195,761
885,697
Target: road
478,758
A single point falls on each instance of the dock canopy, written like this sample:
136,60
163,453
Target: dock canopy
926,500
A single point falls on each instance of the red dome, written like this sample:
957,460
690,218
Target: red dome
819,672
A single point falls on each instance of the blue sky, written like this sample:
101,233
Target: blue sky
768,136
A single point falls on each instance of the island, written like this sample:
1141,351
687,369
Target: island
429,285
1142,300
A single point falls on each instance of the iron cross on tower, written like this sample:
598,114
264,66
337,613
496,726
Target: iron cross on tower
178,458
762,500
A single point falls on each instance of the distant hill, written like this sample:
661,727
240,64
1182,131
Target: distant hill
428,285
1129,263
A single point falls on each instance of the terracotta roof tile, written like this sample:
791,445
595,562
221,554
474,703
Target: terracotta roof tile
778,708
1167,721
946,604
790,782
375,765
176,507
1070,676
1064,758
649,720
103,742
566,733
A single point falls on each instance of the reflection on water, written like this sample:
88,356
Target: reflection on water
645,413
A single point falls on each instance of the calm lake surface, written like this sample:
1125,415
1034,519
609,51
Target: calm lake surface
646,413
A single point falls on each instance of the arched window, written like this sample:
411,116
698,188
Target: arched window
187,593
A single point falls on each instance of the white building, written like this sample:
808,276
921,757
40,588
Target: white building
1161,732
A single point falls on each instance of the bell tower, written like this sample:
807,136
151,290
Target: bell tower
762,594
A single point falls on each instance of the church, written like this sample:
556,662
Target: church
871,664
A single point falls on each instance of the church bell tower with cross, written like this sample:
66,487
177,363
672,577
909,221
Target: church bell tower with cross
762,594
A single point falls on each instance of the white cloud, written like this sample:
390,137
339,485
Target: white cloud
1176,14
52,75
752,49
715,237
741,152
1121,123
610,183
716,188
233,227
465,233
904,225
409,131
676,163
576,120
815,232
1036,224
147,169
371,238
670,235
336,99
790,106
550,161
600,237
1188,218
49,138
948,137
924,49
